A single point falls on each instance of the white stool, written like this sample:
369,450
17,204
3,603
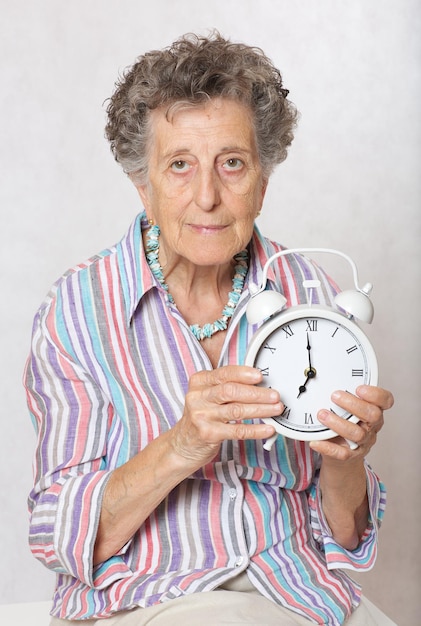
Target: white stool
25,614
380,618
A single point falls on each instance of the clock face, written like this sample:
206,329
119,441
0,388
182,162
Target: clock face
306,355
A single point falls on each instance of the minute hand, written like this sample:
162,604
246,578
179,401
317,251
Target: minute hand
309,353
310,372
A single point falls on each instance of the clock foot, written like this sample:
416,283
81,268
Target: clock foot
269,442
352,444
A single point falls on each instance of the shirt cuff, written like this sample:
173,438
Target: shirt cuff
76,526
364,556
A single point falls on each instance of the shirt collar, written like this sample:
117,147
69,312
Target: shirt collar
135,275
261,249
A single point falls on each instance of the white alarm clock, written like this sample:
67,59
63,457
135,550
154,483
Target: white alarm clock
308,351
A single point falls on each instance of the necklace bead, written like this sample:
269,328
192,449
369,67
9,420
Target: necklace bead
240,272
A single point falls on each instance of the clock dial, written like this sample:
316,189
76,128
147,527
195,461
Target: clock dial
306,357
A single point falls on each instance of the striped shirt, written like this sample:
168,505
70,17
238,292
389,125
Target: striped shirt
108,371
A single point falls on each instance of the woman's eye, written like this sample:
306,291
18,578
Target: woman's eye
233,164
179,166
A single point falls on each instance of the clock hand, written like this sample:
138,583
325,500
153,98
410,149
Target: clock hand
308,350
310,372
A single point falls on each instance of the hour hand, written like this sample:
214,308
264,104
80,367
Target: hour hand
310,372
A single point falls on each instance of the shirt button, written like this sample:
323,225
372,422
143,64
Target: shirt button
239,561
233,494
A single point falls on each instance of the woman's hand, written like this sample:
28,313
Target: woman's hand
217,403
368,405
342,476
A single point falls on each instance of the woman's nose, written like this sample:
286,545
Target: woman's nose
207,194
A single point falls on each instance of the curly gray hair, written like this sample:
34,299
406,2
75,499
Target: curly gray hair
191,71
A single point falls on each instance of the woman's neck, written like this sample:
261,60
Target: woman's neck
206,296
200,294
196,283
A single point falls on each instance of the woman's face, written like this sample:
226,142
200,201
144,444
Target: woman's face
205,184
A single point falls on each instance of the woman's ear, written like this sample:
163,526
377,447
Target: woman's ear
143,192
264,187
263,193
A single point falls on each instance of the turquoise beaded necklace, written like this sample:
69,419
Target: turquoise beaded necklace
241,268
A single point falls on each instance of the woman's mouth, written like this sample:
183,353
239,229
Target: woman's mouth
207,229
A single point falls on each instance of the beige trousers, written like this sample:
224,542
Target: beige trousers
236,602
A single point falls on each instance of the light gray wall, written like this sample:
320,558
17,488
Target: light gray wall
351,182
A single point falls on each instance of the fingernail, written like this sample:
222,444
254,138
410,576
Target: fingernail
322,416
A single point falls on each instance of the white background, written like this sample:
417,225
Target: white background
352,182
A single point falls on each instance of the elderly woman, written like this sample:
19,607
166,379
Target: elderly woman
152,485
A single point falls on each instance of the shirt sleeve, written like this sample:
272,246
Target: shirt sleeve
364,556
70,413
